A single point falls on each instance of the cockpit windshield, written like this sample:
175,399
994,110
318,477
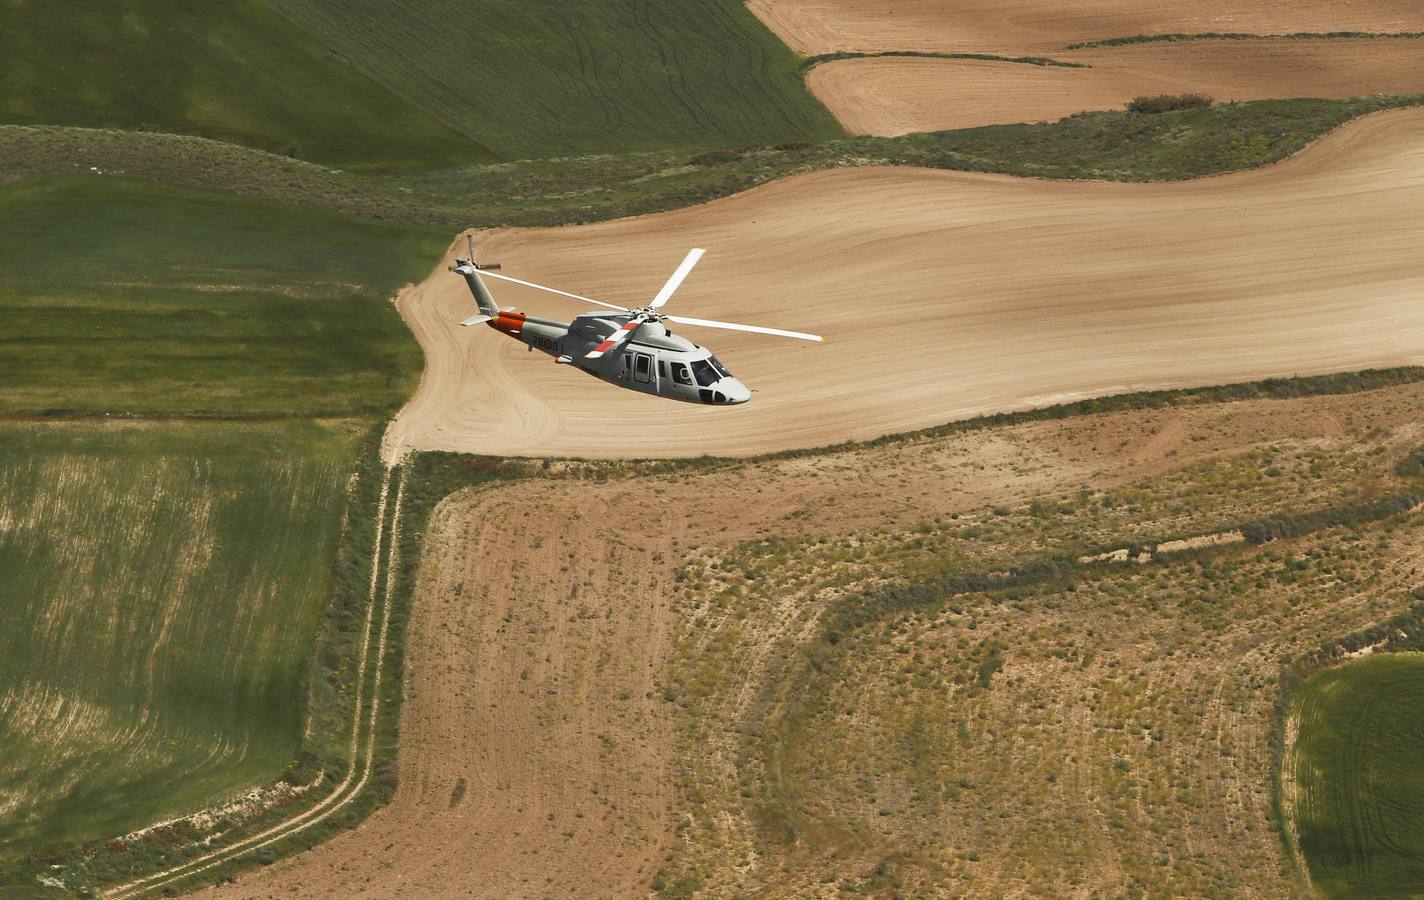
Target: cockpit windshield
706,375
717,364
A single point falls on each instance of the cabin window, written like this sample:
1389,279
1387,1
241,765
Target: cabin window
642,368
662,370
717,364
706,375
680,374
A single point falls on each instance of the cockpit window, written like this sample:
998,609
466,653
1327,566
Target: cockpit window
680,374
706,375
717,364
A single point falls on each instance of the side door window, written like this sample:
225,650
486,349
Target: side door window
642,367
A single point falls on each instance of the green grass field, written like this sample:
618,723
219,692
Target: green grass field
128,297
1360,776
162,589
236,71
578,76
414,83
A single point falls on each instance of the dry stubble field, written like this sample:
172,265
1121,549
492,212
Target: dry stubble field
898,95
555,740
1020,26
889,96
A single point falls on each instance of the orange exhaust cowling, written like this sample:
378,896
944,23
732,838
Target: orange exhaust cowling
509,322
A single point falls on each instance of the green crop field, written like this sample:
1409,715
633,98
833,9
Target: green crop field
235,71
579,76
1360,782
161,592
128,297
411,84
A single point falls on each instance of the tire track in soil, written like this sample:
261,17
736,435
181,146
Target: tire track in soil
345,792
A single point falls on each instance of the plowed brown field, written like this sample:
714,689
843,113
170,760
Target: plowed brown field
1021,26
537,754
946,294
897,95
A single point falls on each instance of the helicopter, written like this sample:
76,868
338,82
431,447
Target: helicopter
627,347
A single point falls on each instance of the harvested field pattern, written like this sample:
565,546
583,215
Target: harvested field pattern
994,293
162,588
895,95
1358,788
1018,26
576,654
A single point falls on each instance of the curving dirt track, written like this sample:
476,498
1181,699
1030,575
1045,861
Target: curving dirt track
1024,26
946,294
890,96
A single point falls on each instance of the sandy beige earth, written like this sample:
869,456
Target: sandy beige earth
896,95
1022,26
946,294
537,756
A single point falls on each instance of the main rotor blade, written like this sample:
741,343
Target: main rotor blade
616,338
488,274
688,262
756,329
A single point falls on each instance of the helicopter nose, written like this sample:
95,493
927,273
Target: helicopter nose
736,391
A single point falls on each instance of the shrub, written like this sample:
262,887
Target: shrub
1412,465
1167,102
713,157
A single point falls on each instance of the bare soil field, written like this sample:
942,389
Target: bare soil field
1021,26
890,96
943,295
538,755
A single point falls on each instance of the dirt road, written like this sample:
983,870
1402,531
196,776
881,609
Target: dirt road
1024,26
947,294
897,95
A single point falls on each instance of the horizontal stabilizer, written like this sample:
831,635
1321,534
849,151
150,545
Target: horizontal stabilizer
475,320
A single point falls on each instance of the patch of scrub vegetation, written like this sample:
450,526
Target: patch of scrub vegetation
126,297
1110,146
961,708
580,76
818,59
1160,103
163,583
236,71
1358,784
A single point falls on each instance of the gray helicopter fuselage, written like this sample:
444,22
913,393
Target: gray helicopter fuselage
655,361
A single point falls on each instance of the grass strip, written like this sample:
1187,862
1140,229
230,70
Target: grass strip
1104,146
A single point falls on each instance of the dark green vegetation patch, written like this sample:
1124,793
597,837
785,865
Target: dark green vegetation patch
130,298
414,83
578,76
235,70
162,584
1360,778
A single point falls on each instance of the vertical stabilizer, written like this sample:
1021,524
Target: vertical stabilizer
483,298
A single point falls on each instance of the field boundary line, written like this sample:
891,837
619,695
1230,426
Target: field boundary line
344,794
